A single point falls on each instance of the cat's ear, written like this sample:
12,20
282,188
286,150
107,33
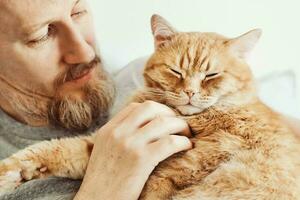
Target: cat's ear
243,44
161,30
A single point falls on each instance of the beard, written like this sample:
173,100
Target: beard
79,114
64,109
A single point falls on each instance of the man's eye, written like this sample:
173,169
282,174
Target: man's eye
77,14
43,38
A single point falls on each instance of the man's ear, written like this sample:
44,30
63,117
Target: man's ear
161,30
242,45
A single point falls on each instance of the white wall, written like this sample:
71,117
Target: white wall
124,32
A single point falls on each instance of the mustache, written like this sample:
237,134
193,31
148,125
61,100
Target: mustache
75,71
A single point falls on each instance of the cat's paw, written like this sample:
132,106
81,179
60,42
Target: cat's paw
10,181
13,173
10,177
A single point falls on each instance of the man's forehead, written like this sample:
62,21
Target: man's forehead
25,8
26,14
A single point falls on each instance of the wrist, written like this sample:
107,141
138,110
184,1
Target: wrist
92,189
86,194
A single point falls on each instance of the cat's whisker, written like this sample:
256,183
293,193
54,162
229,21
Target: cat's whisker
175,99
204,102
154,93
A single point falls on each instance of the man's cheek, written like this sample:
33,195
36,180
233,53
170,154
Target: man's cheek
89,32
91,39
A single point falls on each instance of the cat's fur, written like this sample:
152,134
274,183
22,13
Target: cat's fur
242,149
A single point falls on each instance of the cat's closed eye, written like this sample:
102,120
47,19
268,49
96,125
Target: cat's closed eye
175,72
212,75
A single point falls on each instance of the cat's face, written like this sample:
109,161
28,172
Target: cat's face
194,71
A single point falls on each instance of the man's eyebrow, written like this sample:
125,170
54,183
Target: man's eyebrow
31,29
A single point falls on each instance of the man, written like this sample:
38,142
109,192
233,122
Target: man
52,81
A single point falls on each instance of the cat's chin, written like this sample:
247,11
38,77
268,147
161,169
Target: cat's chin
189,109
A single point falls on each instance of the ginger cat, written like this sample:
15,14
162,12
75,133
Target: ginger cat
242,149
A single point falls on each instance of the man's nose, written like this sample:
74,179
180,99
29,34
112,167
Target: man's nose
77,50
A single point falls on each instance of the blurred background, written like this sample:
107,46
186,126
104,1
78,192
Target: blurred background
123,31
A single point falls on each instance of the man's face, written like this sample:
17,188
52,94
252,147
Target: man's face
49,70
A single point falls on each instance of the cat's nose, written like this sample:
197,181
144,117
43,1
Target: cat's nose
190,93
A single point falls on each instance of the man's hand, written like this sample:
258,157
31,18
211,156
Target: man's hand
128,148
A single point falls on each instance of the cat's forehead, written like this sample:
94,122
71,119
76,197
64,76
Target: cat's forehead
197,51
201,39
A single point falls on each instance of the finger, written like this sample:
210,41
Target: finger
144,113
168,146
161,127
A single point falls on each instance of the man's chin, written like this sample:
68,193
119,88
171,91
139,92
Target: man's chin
70,114
78,109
